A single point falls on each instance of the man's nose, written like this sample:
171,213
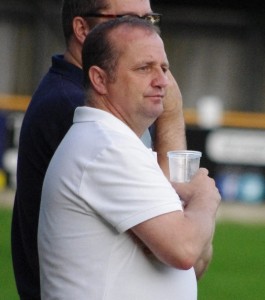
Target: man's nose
161,79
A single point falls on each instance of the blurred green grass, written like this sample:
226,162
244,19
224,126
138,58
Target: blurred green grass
7,281
236,272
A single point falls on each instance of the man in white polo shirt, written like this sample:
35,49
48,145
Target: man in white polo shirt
111,225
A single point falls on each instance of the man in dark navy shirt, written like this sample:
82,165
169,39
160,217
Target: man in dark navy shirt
49,116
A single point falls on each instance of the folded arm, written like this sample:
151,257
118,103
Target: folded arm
179,238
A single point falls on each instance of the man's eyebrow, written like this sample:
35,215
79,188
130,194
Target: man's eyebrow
151,61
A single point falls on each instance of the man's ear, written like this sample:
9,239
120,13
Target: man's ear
98,78
80,29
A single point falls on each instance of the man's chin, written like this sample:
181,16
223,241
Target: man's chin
157,112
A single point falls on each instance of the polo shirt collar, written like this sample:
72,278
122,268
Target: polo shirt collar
89,114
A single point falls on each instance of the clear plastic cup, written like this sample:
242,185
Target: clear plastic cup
183,164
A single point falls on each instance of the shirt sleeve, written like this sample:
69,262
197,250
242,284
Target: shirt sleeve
126,186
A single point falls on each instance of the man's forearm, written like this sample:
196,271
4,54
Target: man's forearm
170,135
170,126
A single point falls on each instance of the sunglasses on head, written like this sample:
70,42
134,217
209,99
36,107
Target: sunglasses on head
153,18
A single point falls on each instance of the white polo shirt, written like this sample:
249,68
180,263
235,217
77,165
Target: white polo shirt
101,182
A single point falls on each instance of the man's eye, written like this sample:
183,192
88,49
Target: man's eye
164,69
144,68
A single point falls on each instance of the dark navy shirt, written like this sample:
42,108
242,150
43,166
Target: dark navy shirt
47,119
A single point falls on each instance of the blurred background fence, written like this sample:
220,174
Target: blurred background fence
216,51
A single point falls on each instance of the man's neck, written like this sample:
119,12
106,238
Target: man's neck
103,103
70,57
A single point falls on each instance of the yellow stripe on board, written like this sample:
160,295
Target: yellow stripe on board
230,118
14,102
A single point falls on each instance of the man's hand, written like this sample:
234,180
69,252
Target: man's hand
205,257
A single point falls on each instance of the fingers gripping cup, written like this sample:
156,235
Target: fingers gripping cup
183,164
